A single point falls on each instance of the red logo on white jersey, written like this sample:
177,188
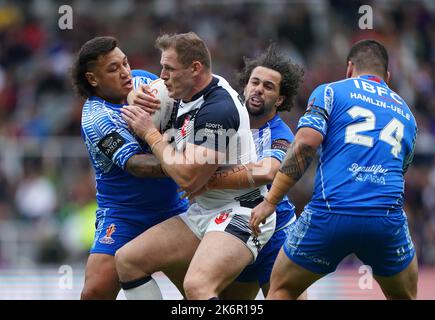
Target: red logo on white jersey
184,126
222,217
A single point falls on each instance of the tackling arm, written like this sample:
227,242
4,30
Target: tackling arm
183,167
245,176
144,165
296,162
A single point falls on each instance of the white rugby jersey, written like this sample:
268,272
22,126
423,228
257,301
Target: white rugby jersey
216,119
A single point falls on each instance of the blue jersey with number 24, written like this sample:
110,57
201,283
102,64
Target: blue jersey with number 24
368,142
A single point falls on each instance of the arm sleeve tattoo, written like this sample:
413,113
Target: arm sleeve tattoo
297,160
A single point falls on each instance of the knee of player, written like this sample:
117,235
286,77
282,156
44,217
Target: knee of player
123,260
192,288
90,294
130,263
98,293
196,288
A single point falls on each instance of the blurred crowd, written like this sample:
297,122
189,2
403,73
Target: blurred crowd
45,178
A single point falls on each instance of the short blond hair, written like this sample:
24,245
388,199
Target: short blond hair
189,47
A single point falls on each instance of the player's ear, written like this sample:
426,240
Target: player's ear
279,101
245,91
387,79
91,79
196,67
350,69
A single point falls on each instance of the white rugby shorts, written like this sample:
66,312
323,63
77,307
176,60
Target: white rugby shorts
232,219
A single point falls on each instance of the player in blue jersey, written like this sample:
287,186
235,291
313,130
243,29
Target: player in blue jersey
269,85
211,243
133,194
366,134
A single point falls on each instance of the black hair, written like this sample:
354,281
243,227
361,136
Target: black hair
291,74
369,55
86,57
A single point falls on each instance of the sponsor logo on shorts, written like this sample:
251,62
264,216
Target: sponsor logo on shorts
107,239
256,243
222,216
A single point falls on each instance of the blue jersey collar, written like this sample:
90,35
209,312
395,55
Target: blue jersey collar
270,122
107,103
373,78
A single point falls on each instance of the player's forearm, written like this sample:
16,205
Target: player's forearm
169,158
175,164
296,162
242,177
235,178
190,177
185,175
144,165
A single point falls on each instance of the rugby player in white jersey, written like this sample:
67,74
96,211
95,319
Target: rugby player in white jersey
211,243
269,84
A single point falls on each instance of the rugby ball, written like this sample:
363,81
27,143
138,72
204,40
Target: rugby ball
162,116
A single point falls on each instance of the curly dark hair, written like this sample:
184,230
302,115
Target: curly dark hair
291,74
86,57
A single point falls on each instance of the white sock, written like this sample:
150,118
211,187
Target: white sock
142,289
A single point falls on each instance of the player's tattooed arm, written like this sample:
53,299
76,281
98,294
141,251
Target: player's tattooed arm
297,160
145,165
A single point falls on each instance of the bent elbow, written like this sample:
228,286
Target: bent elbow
188,185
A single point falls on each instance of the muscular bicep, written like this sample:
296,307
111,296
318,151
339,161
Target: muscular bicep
192,168
309,137
205,162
